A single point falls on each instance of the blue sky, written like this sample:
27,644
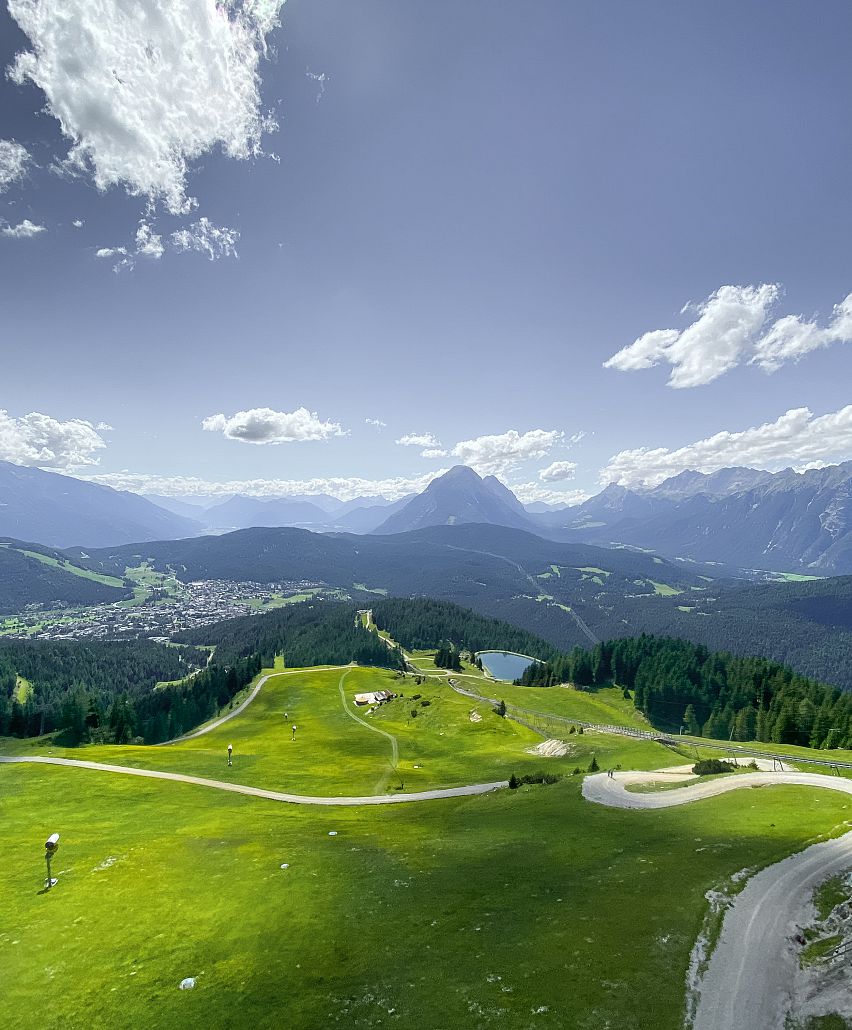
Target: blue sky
467,209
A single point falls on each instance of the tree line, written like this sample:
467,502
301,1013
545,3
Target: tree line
310,633
424,623
677,684
104,692
48,685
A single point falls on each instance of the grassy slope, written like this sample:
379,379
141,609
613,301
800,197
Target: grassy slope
529,908
333,755
522,909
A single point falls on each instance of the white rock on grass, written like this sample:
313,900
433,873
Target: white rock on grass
187,983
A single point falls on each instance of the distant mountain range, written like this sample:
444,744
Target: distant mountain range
320,512
60,511
739,517
786,521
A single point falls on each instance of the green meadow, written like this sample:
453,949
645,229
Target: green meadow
516,909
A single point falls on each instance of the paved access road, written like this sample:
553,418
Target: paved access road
259,792
748,982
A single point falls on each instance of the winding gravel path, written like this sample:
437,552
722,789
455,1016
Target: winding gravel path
259,792
748,982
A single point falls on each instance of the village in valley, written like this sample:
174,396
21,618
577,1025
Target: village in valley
159,607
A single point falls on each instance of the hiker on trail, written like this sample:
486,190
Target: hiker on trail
294,731
230,750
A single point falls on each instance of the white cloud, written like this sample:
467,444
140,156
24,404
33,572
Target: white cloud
13,162
419,440
143,90
148,244
527,493
434,452
108,252
203,236
797,438
791,338
45,442
727,324
263,425
727,332
344,487
23,231
497,455
78,223
377,422
558,471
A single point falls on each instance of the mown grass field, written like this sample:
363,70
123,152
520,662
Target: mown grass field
518,909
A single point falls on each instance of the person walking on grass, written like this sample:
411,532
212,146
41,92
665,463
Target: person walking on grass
230,751
294,731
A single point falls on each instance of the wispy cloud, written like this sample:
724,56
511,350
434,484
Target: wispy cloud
147,244
527,493
376,422
419,440
344,487
321,79
151,87
266,426
40,440
797,438
14,159
203,236
23,230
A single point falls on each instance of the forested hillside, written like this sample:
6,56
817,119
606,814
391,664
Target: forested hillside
713,694
325,633
30,574
425,624
541,586
50,685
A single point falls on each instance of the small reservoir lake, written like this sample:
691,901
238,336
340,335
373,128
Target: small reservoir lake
504,665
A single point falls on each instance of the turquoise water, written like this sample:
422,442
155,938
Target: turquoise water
504,665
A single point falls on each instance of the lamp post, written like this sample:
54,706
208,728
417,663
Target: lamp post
51,846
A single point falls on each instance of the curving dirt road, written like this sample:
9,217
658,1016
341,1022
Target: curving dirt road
613,792
748,982
259,792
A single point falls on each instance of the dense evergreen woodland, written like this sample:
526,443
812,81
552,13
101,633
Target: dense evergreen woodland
322,633
105,691
423,623
75,685
710,694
